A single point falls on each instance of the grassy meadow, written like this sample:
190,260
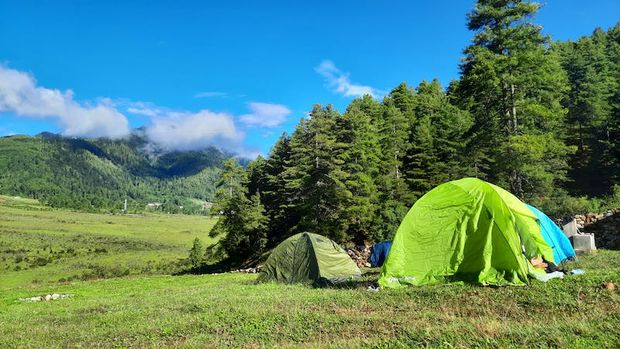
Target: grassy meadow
40,245
112,309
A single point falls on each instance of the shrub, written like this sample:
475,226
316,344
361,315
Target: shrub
39,261
614,200
196,253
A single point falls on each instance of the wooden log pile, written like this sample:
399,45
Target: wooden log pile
360,255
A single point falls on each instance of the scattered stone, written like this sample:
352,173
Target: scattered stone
604,226
609,285
46,298
250,270
606,229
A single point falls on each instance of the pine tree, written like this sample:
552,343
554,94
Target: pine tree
395,198
315,177
257,178
196,254
449,124
435,140
612,141
277,198
612,151
360,156
394,143
512,85
242,224
421,158
403,98
589,102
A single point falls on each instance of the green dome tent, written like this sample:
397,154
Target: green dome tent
465,230
309,259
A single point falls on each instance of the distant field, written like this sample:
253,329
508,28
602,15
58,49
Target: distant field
39,245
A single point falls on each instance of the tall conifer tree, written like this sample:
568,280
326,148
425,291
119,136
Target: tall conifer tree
361,154
315,176
242,223
395,198
277,197
513,86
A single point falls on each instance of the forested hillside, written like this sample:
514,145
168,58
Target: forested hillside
537,117
99,174
592,104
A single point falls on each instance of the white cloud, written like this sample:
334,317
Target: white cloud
146,109
210,94
172,129
20,94
191,131
145,112
265,115
168,129
249,153
183,130
339,82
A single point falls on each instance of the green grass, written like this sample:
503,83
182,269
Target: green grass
40,245
229,310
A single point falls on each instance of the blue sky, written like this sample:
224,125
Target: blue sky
234,73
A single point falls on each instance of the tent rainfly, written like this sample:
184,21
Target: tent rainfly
309,259
555,238
466,230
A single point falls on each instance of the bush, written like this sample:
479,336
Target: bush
614,200
19,258
39,262
196,254
564,205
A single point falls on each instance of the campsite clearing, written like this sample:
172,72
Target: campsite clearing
225,310
230,310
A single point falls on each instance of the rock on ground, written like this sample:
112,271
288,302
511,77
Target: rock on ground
46,298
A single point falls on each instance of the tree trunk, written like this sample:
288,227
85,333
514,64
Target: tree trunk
516,184
396,164
316,158
514,109
516,179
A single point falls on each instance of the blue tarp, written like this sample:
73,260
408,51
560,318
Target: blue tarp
380,251
561,246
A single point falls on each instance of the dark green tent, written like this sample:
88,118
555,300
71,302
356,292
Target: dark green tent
308,259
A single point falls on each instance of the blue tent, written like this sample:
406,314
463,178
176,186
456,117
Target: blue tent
380,251
554,237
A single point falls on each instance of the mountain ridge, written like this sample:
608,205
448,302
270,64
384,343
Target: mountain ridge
99,174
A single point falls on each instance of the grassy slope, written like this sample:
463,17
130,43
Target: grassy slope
75,245
229,310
